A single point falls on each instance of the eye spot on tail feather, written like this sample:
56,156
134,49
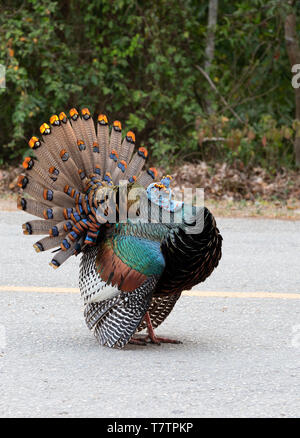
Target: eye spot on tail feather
34,143
117,126
45,129
54,120
143,152
102,119
28,163
73,114
86,113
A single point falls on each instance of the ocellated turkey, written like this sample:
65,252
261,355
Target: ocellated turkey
133,268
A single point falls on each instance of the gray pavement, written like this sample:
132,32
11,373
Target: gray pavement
239,357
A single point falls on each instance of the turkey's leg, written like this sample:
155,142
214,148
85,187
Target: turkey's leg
151,337
157,339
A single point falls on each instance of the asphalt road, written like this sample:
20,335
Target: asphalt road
240,355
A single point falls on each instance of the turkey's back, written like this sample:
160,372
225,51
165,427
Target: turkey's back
190,256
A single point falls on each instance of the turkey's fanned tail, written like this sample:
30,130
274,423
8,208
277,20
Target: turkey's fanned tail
71,161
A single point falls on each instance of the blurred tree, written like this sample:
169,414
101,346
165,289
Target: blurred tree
210,39
136,60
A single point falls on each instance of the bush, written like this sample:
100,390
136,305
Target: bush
136,61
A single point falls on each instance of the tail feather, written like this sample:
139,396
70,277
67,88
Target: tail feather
37,172
33,207
38,226
89,127
44,156
63,255
82,141
115,137
61,153
47,243
127,147
71,140
147,177
136,164
114,147
103,141
61,228
72,162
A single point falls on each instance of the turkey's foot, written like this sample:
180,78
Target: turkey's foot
138,341
160,340
151,337
144,340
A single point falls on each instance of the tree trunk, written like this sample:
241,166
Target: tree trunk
293,51
211,30
210,44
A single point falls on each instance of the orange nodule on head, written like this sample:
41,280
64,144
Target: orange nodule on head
123,162
45,128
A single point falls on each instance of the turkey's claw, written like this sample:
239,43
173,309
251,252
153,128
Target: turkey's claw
138,341
159,340
151,336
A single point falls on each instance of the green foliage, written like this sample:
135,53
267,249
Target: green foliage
264,142
135,61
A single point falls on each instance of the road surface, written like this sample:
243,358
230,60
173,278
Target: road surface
240,355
